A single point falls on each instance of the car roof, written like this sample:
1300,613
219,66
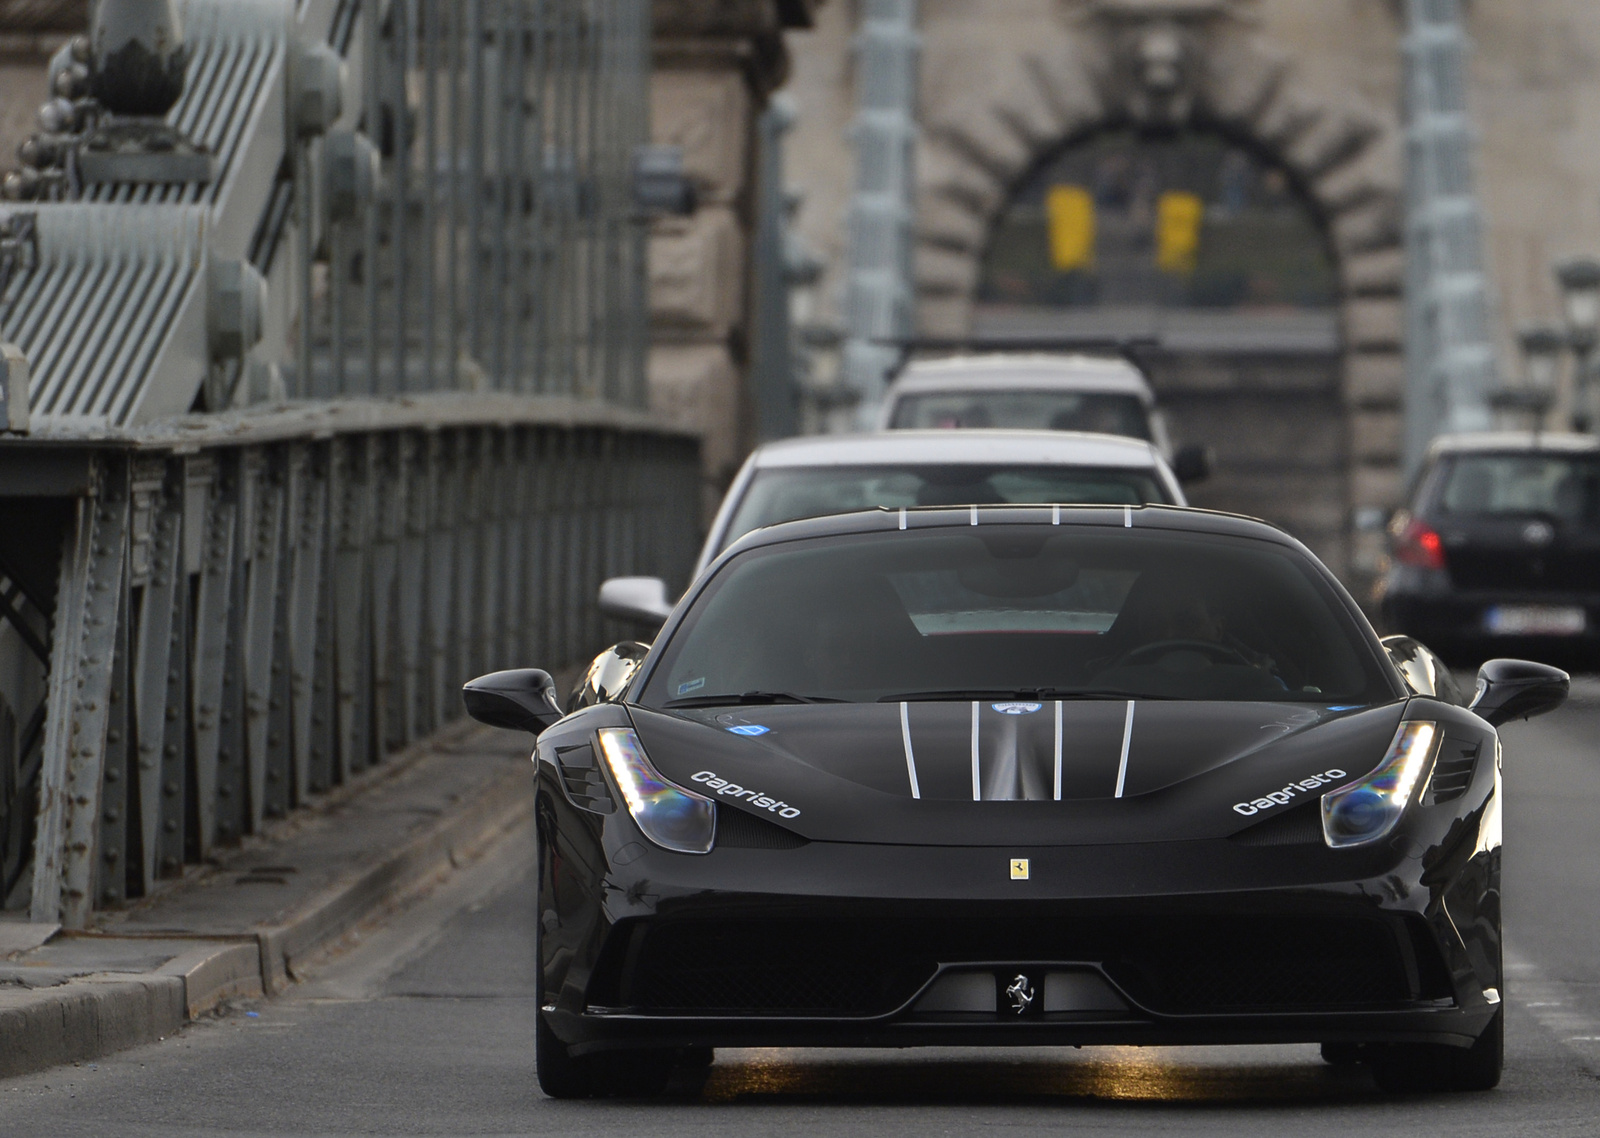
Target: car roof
1512,442
1017,371
1167,518
987,447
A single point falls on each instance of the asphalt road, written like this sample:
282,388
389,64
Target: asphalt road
426,1027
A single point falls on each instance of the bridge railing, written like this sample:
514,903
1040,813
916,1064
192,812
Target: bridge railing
335,395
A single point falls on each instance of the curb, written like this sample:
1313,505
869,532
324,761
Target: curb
97,1015
94,1016
342,907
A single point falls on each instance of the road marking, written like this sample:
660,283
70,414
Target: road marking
1553,1005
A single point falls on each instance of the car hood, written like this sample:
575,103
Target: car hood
985,773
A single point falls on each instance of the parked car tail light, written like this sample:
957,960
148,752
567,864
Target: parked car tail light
674,819
1367,810
1419,545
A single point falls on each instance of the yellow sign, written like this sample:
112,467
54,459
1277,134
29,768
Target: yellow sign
1019,869
1178,218
1070,210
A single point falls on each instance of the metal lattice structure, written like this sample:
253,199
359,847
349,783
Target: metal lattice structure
318,437
1450,358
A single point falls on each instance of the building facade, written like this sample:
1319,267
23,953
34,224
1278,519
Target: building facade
1300,395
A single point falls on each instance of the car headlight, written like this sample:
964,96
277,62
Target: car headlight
1367,810
672,818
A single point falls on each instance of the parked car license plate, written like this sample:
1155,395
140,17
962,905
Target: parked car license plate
1536,620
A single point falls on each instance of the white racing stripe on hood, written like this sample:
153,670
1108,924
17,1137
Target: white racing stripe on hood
911,758
1127,742
977,774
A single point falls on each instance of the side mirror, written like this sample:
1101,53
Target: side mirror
641,600
1518,689
1423,672
1192,464
609,676
520,700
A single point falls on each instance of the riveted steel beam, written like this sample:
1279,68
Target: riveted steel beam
88,609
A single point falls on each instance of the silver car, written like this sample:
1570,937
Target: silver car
840,474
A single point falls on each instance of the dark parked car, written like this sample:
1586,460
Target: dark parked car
1017,775
1499,550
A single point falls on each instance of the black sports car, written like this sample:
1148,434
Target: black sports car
1499,549
1011,775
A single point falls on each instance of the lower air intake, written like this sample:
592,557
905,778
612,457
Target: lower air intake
865,967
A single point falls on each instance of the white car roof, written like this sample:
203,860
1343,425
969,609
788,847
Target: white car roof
1022,448
1018,372
1512,441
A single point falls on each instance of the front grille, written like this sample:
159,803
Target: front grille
757,969
1187,964
1279,965
1452,771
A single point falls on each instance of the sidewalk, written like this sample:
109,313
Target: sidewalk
237,928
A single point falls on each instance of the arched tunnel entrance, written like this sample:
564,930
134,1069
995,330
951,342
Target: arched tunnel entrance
1212,249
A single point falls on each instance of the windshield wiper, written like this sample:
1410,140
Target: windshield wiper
1048,695
747,698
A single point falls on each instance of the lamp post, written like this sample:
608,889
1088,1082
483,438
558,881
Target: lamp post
1543,348
1579,279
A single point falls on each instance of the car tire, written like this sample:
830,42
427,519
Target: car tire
1418,1068
642,1073
1341,1054
561,1074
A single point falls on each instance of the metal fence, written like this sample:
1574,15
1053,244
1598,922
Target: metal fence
319,436
238,626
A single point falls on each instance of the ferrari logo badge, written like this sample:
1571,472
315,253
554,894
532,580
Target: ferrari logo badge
1020,993
1019,869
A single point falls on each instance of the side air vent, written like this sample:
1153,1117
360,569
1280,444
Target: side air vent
586,785
738,830
1452,771
1300,826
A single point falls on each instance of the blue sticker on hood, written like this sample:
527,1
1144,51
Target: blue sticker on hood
1016,708
749,729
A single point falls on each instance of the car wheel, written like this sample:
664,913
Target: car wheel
633,1074
1341,1054
561,1074
1415,1068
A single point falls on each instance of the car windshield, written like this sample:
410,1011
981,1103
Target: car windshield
1563,486
1097,412
786,495
1051,612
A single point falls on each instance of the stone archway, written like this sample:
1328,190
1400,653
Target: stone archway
1176,64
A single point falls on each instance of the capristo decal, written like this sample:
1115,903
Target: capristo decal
1290,792
765,802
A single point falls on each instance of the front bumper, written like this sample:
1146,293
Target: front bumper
838,944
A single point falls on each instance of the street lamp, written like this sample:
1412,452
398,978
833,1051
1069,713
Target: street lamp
1543,348
1579,279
